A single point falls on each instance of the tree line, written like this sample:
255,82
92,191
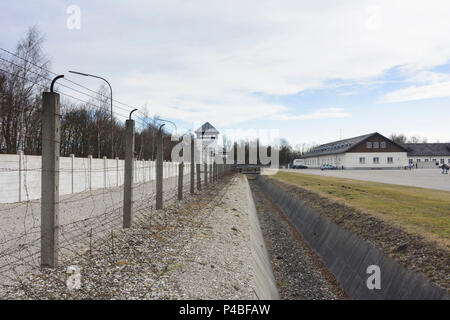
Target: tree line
85,126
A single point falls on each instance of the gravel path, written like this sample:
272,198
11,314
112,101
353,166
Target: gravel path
217,263
299,273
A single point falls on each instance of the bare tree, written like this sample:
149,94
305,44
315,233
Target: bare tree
398,138
20,91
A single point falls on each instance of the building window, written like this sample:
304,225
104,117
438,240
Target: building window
376,160
442,161
383,144
434,160
449,161
362,160
369,145
418,160
426,160
376,145
411,161
390,160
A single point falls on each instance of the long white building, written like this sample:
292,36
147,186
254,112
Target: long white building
370,151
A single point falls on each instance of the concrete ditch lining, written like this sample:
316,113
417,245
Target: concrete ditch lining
347,256
264,286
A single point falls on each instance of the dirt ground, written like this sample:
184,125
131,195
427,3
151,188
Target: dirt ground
414,252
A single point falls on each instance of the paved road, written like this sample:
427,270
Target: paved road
425,178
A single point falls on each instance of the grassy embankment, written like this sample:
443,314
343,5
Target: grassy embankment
420,211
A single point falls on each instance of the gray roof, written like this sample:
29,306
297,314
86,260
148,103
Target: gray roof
427,149
336,147
207,128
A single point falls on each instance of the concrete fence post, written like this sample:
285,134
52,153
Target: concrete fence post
72,165
90,171
206,173
51,135
159,170
20,154
128,174
152,165
117,171
180,180
192,171
199,178
210,173
104,172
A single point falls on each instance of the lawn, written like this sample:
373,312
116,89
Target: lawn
425,212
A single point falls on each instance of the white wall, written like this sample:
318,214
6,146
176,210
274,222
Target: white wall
399,159
20,176
350,160
337,160
428,161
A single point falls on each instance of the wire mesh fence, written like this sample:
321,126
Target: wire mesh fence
90,205
88,218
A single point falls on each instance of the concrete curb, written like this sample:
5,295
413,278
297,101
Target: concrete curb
347,256
264,286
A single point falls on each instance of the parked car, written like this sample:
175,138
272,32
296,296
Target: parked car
327,167
299,166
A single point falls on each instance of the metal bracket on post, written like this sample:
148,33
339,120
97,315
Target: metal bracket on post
54,81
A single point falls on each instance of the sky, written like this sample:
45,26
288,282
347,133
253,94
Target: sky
312,71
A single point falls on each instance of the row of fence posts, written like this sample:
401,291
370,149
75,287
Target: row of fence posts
51,136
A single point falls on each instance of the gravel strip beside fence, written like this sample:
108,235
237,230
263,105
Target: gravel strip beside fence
197,248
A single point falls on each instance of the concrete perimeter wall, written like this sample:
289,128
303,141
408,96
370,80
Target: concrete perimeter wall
265,287
20,175
347,256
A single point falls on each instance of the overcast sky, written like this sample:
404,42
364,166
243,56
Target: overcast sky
314,70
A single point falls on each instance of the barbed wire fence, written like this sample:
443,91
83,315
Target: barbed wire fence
70,207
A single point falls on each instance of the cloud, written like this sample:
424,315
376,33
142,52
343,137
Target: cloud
327,113
207,59
433,90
